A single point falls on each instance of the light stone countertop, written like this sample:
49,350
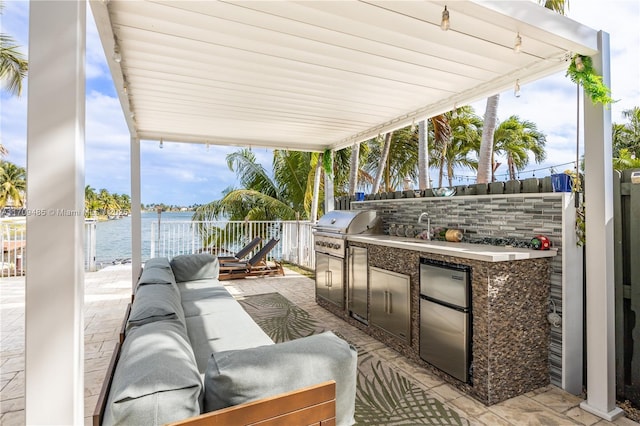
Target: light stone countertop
481,252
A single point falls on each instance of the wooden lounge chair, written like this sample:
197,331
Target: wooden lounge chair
257,266
242,253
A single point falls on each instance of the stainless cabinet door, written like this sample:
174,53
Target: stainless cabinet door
336,281
390,303
444,338
329,278
322,275
358,280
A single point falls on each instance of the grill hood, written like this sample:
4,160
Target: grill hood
347,222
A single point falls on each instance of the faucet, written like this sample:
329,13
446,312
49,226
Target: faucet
423,214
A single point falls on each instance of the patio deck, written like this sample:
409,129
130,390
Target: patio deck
107,293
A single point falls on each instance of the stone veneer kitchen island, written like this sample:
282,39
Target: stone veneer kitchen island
509,305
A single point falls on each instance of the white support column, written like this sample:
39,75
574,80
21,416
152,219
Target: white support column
54,326
136,215
601,389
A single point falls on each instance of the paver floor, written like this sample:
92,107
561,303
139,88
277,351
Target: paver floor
108,291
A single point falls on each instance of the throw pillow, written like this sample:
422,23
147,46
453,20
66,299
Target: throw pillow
190,267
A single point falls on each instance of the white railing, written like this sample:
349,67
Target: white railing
13,240
173,238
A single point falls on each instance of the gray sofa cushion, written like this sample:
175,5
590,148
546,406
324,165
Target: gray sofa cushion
228,328
156,275
157,262
155,303
156,380
204,297
190,267
239,376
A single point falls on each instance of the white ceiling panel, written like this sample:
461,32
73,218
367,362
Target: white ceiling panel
314,75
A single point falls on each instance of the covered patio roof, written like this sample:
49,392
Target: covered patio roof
314,75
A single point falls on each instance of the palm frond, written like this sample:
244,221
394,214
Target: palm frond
13,65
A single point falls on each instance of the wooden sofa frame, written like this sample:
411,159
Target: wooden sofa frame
314,405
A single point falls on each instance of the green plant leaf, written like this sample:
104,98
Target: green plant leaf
589,79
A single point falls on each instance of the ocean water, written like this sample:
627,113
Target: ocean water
113,237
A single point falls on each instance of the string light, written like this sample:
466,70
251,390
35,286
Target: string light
516,90
161,144
517,47
116,53
445,24
579,63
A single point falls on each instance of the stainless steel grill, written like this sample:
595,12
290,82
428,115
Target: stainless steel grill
334,227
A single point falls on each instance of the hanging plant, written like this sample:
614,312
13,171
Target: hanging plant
326,162
581,72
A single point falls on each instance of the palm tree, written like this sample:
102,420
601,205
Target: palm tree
627,135
423,156
261,196
12,184
91,204
285,196
625,160
106,202
516,139
456,134
13,65
401,150
384,154
354,166
13,68
441,140
485,154
466,134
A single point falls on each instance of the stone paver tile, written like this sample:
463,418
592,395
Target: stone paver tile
427,379
13,364
447,392
524,410
582,417
15,387
10,405
490,419
14,418
557,399
469,407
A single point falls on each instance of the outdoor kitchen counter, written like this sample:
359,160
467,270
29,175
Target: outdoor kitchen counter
481,252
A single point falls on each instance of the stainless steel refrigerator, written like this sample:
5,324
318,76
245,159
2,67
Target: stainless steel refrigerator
445,317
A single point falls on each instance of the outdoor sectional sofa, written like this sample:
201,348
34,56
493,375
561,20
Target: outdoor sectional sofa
188,350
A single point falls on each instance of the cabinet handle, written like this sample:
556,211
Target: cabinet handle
386,302
329,278
390,303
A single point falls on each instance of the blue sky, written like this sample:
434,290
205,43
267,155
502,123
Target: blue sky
185,174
